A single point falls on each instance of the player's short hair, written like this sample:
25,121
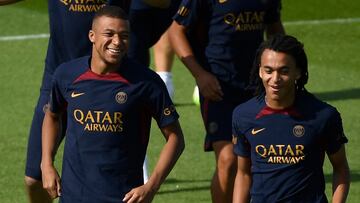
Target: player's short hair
285,44
110,11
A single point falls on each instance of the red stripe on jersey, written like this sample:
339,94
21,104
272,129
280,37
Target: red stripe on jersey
291,111
89,75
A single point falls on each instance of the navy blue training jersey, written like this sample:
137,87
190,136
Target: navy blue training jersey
108,118
235,31
287,147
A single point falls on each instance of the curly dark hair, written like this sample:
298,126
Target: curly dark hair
285,44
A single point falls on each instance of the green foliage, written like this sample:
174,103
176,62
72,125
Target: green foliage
333,50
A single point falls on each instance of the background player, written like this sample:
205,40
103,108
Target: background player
281,135
107,137
149,21
163,60
228,32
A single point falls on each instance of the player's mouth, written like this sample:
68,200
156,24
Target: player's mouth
275,88
114,50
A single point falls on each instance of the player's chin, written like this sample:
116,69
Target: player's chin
274,95
114,59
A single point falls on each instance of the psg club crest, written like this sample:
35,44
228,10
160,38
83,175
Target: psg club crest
298,130
121,97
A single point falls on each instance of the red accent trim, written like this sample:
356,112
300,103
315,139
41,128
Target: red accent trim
291,111
89,75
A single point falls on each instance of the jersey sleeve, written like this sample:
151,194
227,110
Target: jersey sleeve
188,11
241,144
334,133
57,100
274,12
160,104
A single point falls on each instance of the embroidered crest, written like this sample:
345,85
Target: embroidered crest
298,130
121,97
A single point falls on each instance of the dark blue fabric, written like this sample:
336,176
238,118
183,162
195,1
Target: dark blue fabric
287,147
109,119
234,30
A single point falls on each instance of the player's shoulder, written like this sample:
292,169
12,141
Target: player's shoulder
313,104
72,68
250,107
136,72
78,62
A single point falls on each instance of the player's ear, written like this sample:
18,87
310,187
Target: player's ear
260,73
92,36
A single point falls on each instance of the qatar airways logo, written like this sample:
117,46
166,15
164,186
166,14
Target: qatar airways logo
246,21
281,154
99,121
83,5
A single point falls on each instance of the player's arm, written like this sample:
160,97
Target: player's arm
169,155
274,24
208,84
50,177
242,183
341,175
6,2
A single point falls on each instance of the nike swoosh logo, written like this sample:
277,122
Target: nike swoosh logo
73,94
254,132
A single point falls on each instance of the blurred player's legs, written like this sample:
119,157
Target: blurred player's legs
222,184
163,59
217,118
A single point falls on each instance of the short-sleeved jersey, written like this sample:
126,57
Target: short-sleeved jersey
287,147
235,30
108,124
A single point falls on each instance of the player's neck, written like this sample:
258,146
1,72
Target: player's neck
102,68
282,103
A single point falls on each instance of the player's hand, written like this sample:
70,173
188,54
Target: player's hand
51,181
209,86
143,194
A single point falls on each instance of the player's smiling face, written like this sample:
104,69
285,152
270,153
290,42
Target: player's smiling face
278,72
110,37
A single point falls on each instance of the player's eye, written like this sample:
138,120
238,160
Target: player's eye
267,70
284,70
108,34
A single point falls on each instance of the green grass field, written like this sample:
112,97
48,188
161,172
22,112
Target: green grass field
333,48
